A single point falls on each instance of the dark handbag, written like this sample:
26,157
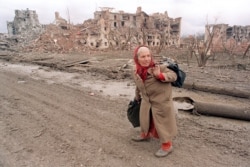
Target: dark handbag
181,75
133,113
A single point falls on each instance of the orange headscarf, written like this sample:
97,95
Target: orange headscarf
140,70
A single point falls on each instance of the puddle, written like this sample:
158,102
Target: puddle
107,87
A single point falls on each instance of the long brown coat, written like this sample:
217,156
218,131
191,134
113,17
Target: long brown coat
157,95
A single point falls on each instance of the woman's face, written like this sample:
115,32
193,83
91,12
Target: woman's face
144,57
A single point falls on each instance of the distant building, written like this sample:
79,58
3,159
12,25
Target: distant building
234,38
25,23
107,30
59,21
224,31
119,29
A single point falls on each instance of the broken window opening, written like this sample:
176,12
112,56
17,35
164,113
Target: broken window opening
125,17
115,24
122,23
149,43
13,30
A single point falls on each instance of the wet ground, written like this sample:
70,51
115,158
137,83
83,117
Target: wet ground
77,117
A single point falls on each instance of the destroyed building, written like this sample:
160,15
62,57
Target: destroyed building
25,25
234,38
224,31
59,21
111,29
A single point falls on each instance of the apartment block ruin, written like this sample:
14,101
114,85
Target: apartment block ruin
109,29
225,37
25,25
119,29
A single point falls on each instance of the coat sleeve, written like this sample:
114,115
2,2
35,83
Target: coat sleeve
169,75
137,91
137,94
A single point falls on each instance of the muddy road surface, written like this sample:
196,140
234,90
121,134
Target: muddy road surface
65,120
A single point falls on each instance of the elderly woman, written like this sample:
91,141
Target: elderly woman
154,90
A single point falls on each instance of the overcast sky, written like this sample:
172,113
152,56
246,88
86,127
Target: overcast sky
195,13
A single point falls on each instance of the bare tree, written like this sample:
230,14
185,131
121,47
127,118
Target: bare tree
230,47
164,31
202,49
247,49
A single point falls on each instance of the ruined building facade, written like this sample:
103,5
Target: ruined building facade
107,30
225,32
25,24
233,38
59,21
119,29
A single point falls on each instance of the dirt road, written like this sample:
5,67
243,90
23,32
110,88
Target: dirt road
53,119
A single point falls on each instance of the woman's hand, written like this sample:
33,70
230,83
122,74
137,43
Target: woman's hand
156,71
137,99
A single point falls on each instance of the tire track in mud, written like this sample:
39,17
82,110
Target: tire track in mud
64,119
44,124
31,116
80,111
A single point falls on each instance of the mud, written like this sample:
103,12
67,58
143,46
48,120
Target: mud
58,116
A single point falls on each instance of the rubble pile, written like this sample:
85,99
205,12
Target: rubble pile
107,31
56,39
115,31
